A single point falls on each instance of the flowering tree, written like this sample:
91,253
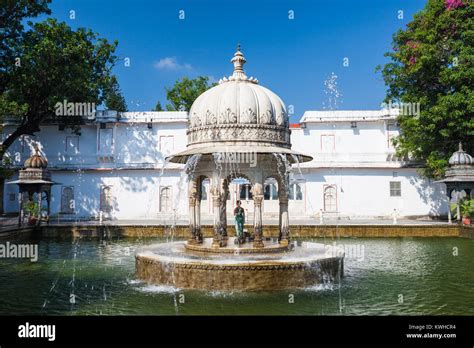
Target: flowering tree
432,64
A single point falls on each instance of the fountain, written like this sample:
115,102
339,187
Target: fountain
238,129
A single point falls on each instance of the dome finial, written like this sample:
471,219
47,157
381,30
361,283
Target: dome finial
36,160
238,60
461,158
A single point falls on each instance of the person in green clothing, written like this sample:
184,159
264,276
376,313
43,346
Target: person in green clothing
239,214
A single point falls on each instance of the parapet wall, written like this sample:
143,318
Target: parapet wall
297,231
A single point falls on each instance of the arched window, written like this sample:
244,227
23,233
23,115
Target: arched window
270,190
165,199
330,198
106,199
296,192
245,192
67,200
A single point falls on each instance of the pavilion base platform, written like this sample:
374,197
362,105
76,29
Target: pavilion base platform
301,265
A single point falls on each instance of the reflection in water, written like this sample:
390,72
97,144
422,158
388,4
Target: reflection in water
100,275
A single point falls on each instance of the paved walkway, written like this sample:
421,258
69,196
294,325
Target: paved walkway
7,223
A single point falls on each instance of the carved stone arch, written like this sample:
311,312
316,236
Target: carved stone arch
247,176
275,176
279,185
199,180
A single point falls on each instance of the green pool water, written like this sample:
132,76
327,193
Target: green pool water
383,276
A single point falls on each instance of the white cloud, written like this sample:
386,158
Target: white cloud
171,63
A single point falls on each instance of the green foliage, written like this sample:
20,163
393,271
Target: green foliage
11,107
185,91
56,64
12,15
432,64
8,108
114,99
158,106
466,207
32,209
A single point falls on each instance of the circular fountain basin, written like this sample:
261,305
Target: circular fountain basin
303,264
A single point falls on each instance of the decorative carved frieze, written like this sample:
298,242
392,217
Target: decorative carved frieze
266,117
239,132
248,116
34,174
244,267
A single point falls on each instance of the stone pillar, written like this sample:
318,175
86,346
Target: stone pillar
20,212
223,209
197,219
195,233
217,241
48,201
257,192
40,202
219,195
448,191
458,207
284,237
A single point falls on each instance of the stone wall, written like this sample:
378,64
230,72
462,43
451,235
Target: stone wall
297,231
467,232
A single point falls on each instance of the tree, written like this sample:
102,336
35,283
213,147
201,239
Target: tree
114,99
12,14
184,92
432,64
57,64
158,106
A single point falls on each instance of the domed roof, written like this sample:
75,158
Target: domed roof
238,100
461,158
235,108
238,115
36,160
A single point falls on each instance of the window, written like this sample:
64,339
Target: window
67,200
330,199
327,143
296,193
270,191
105,145
106,199
395,189
72,145
165,199
12,197
166,144
246,192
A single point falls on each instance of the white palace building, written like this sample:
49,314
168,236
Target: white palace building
116,169
116,165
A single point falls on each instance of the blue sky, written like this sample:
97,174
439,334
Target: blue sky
292,57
